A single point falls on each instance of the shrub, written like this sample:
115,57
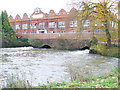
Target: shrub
8,42
103,50
93,41
24,39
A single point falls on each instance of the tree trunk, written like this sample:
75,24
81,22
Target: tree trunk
108,36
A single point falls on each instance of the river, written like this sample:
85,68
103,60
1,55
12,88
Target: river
40,66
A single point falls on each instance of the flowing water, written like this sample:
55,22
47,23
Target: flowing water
40,66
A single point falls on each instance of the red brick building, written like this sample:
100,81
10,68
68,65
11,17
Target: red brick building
40,22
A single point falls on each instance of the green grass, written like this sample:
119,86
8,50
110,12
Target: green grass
109,80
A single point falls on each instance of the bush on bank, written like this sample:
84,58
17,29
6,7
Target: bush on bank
8,42
103,50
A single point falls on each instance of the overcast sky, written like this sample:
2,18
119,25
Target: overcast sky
20,7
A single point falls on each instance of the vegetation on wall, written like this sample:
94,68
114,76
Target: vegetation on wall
36,43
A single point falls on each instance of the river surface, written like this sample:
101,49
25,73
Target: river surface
40,66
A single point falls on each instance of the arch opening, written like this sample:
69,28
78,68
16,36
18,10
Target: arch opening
46,46
84,48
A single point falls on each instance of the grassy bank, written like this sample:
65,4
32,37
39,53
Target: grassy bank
102,49
109,80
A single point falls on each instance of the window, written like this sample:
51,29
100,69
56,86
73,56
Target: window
41,31
37,10
17,26
33,25
86,22
32,32
73,24
52,25
72,31
17,32
112,24
52,32
96,24
42,25
24,32
97,30
24,26
61,31
61,24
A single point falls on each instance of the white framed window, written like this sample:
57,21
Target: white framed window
61,24
112,24
72,31
73,23
52,32
32,32
17,26
17,32
95,24
37,10
41,31
51,25
32,25
24,26
86,22
42,25
24,32
61,31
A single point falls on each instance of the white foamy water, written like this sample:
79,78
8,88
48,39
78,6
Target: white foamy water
39,66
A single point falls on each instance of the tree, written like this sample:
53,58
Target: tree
104,15
102,12
5,26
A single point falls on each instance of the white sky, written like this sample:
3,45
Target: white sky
14,7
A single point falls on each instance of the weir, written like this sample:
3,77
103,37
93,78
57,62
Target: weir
64,44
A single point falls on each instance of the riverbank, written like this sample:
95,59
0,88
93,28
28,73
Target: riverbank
109,80
6,42
113,51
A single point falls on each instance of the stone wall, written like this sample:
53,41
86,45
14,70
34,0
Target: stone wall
63,44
